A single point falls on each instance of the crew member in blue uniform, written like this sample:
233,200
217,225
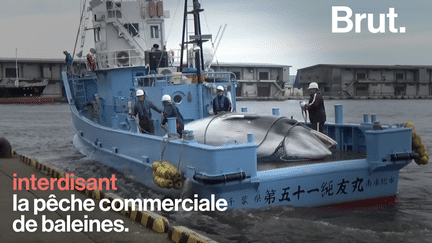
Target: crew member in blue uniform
68,60
315,107
142,109
170,110
221,102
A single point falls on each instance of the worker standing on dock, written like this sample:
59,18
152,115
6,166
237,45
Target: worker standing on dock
142,109
315,107
170,110
221,102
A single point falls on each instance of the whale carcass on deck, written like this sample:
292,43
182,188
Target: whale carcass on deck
278,138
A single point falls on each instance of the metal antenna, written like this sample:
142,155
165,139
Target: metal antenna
79,28
198,38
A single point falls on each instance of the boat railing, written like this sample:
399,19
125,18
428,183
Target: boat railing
184,78
118,59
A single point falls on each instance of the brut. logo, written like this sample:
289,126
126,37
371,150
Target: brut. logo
359,17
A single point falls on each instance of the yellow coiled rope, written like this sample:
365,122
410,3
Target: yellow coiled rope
167,175
418,146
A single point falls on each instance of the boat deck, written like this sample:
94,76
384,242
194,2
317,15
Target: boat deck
336,156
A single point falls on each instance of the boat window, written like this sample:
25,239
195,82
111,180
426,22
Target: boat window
154,30
145,82
178,99
113,12
132,28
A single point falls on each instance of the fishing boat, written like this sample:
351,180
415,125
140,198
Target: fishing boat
249,160
9,88
16,88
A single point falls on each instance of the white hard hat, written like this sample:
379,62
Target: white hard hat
220,88
139,92
166,98
313,85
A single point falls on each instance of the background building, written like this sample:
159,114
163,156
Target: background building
258,80
254,80
36,70
368,80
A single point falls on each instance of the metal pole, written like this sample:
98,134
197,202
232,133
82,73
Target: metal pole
198,56
16,68
275,111
338,114
183,36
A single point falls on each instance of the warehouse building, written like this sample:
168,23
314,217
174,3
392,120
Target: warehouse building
348,81
34,70
255,81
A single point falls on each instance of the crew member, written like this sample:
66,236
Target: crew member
142,109
68,60
315,107
170,110
221,102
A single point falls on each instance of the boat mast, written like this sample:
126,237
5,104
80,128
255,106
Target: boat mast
197,38
81,28
183,36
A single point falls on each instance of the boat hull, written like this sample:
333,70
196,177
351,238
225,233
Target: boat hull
308,185
103,99
7,92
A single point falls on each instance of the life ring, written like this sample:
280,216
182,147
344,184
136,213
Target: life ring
418,146
166,175
90,62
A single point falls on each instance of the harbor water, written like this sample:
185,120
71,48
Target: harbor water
45,132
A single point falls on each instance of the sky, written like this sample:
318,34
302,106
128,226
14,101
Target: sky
286,32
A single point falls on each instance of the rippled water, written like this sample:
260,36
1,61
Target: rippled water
44,132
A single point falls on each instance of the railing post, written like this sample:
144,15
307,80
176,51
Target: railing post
250,138
338,114
172,125
275,111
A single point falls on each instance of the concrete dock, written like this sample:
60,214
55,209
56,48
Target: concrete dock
134,230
